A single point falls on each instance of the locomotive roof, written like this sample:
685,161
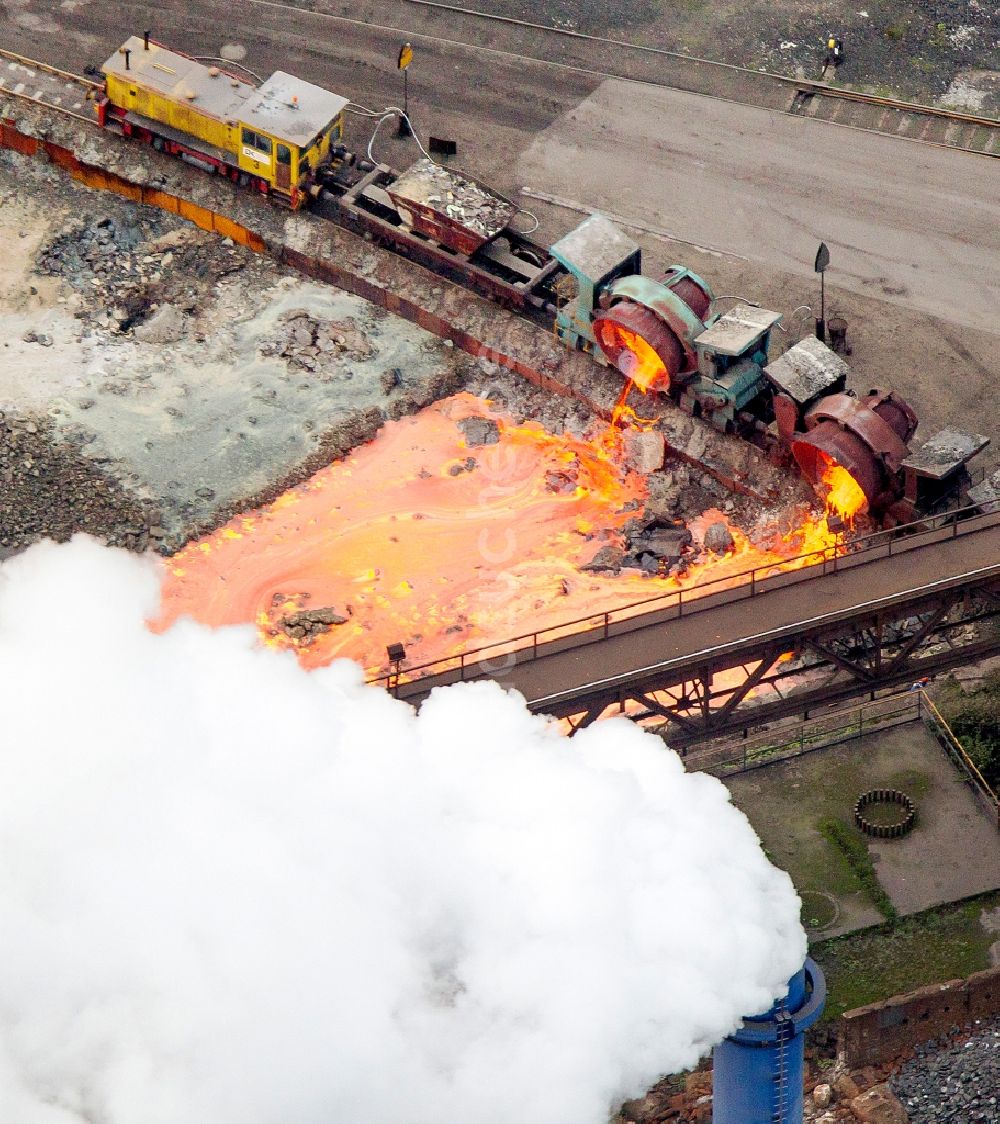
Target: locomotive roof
178,77
290,108
285,106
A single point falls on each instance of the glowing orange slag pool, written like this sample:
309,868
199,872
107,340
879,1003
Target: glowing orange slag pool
417,538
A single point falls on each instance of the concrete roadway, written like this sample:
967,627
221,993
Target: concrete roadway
905,222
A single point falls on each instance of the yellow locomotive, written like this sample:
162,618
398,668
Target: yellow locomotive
273,137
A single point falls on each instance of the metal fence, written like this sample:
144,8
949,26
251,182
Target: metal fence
946,738
808,734
788,741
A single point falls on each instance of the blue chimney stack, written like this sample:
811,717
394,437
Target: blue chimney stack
757,1071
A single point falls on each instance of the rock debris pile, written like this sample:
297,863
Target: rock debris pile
684,489
479,431
840,1097
657,539
310,623
124,268
304,342
956,1081
453,195
522,400
43,339
48,489
844,1097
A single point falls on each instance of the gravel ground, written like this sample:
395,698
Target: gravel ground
923,49
957,1081
49,489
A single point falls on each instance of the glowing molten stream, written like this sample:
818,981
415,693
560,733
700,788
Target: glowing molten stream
844,495
637,360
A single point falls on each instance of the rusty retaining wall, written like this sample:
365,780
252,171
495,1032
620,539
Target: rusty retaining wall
327,270
325,259
96,178
881,1031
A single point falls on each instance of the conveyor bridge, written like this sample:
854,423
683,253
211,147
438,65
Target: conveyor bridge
897,607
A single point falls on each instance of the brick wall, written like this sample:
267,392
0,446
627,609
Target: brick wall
880,1031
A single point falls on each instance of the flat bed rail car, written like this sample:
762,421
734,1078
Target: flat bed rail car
496,260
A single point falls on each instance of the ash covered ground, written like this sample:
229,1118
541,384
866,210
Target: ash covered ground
156,378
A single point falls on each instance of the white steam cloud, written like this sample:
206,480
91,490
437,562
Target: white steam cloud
235,891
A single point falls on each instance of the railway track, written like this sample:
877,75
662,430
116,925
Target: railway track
941,127
817,100
40,84
514,39
31,80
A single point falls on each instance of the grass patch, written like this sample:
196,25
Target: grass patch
944,943
817,866
818,909
974,716
938,36
852,846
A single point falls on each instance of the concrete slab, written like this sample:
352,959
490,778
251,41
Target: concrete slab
955,849
953,852
771,186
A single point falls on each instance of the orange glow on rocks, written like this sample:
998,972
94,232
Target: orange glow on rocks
419,539
623,416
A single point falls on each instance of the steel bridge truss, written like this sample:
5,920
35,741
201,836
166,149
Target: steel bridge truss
737,686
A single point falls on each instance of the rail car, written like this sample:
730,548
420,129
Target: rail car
285,140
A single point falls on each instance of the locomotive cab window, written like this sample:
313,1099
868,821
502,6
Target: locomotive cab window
284,154
256,141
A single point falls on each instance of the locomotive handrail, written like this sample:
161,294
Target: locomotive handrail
677,603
